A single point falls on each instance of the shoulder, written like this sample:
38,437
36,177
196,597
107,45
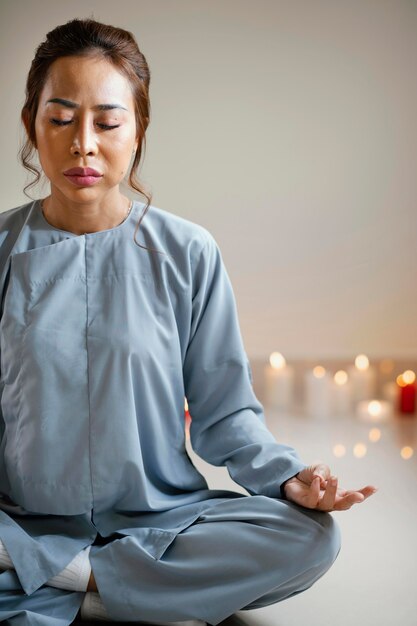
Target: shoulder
14,218
193,253
177,235
12,222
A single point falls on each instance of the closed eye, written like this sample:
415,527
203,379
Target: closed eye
62,123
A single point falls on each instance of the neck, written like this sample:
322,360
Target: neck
82,219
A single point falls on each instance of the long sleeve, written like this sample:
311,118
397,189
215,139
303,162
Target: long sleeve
228,424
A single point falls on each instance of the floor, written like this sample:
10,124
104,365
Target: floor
373,581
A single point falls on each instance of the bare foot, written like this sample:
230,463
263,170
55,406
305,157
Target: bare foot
92,583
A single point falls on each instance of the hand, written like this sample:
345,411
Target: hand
314,488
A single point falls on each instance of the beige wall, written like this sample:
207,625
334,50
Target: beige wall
288,129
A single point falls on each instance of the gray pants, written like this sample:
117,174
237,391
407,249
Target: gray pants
241,553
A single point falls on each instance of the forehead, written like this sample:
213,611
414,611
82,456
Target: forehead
87,81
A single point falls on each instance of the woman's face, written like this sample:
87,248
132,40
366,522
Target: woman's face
73,132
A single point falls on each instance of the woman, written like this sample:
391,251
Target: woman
102,513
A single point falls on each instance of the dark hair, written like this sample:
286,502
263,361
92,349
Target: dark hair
87,37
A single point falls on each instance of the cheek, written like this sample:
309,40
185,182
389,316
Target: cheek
48,144
119,153
47,155
122,142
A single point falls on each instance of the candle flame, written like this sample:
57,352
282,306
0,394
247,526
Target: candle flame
406,378
319,371
277,360
362,362
340,378
185,404
409,377
374,408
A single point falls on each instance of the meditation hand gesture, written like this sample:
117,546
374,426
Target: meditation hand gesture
315,488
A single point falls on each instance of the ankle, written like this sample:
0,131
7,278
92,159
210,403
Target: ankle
92,583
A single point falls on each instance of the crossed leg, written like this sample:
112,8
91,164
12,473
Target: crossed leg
240,554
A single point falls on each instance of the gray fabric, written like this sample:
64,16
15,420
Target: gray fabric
100,341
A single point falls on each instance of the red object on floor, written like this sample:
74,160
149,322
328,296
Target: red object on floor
407,398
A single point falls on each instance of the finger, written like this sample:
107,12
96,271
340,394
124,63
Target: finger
315,469
328,500
348,501
342,505
314,494
320,469
349,498
369,490
365,492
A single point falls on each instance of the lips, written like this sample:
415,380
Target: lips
83,176
82,171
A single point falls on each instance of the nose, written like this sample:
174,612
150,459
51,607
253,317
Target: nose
84,141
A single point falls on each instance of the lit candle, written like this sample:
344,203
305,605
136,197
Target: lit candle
279,382
363,377
318,392
341,393
407,399
374,411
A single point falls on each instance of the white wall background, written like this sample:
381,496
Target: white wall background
288,129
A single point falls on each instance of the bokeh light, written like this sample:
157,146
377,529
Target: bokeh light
339,450
374,435
277,360
374,408
319,371
407,452
362,362
409,377
359,450
340,378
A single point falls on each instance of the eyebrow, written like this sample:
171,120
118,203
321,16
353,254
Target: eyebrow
74,105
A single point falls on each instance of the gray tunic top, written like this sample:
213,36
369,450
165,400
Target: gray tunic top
101,340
